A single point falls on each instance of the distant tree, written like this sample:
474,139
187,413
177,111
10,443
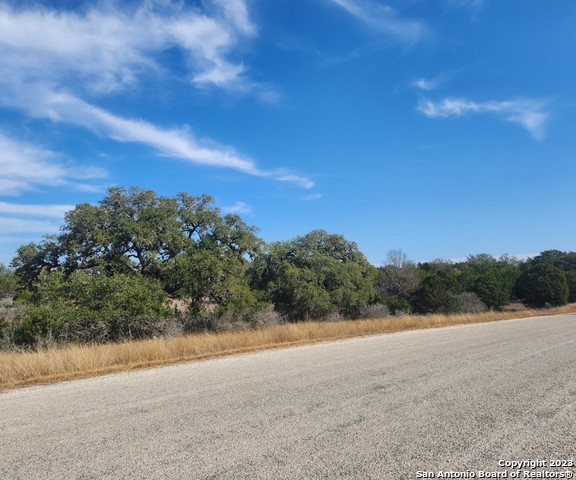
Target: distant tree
438,287
397,281
542,285
436,265
397,258
434,294
565,261
315,274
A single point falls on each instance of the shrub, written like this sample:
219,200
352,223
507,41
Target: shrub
376,310
268,317
92,308
491,290
468,302
8,282
542,285
435,294
6,332
399,306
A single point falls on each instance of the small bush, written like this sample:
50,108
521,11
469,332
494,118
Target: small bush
6,332
268,318
198,320
468,302
229,322
377,310
333,315
399,306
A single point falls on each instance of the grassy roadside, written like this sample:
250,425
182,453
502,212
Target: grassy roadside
78,361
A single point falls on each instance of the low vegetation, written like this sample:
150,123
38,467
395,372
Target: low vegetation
75,361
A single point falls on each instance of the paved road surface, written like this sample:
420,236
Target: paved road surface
382,407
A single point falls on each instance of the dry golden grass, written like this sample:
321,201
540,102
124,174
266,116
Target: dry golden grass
76,361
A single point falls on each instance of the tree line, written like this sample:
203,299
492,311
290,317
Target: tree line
138,265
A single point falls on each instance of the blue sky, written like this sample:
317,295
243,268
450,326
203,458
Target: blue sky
441,127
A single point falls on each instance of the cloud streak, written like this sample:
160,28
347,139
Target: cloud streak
16,225
41,219
383,18
24,167
424,84
529,114
429,84
172,143
238,207
56,211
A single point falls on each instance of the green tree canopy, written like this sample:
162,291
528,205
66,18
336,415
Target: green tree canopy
184,242
542,285
439,285
315,274
565,261
490,278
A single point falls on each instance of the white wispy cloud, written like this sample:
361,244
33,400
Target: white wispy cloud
109,46
28,221
56,211
238,207
424,84
174,143
18,225
236,12
433,83
25,167
56,65
529,114
313,196
383,18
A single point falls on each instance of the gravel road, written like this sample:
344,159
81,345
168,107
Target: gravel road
455,399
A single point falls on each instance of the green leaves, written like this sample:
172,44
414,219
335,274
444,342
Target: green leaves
33,259
137,231
314,275
8,282
542,285
92,308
